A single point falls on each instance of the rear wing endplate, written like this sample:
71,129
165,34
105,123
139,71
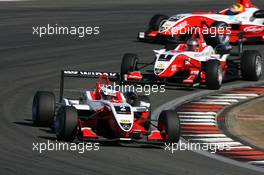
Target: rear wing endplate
113,76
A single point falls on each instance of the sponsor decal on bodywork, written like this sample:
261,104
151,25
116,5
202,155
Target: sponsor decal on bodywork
254,29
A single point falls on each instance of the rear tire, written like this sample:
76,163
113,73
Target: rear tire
214,74
218,39
156,21
251,65
66,123
169,125
43,108
129,64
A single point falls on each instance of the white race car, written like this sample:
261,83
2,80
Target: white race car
103,114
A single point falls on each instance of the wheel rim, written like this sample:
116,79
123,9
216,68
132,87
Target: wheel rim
223,39
220,75
160,25
258,66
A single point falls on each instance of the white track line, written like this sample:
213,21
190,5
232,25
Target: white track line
260,162
248,95
197,113
224,143
211,140
212,103
197,116
240,147
186,123
204,135
220,100
227,97
197,120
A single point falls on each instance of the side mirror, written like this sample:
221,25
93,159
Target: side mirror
259,14
223,49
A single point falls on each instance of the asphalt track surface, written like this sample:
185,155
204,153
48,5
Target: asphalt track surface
29,63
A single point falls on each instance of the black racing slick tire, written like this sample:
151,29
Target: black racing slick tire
66,123
214,74
43,108
156,21
169,126
217,39
251,65
129,64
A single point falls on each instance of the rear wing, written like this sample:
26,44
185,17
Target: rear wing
113,76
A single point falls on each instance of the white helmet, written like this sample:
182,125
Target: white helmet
107,92
192,44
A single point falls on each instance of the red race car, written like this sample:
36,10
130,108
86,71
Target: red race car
221,27
193,63
103,114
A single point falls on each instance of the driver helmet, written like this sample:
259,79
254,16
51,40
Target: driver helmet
236,8
192,45
108,93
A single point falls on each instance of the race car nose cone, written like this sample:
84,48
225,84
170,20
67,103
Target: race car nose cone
158,71
126,126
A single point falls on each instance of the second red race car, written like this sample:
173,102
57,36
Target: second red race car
193,63
226,26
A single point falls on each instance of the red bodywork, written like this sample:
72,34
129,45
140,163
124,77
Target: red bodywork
250,31
193,69
102,123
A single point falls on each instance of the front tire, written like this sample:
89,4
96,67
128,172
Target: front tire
251,65
214,74
129,64
157,21
66,123
169,126
43,108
